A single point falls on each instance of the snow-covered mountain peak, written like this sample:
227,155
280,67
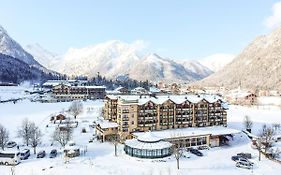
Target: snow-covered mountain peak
10,47
43,56
216,62
114,58
3,31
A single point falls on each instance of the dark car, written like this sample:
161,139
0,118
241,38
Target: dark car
235,158
41,154
245,155
196,152
11,144
53,153
24,154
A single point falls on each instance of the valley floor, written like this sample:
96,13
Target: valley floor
99,157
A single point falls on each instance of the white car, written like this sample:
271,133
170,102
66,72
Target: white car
244,164
11,144
243,160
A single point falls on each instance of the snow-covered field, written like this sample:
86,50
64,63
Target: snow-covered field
100,160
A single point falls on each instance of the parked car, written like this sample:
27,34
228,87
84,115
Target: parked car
196,152
186,154
203,147
245,155
53,153
24,154
242,159
11,144
235,158
243,164
41,154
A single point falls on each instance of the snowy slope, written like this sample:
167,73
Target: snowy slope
10,47
217,61
196,67
17,65
43,56
115,58
257,66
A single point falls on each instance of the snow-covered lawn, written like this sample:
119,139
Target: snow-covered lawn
100,160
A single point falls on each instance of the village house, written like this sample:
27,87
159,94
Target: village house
241,98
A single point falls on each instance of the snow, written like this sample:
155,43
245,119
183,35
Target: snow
148,137
269,100
99,157
189,132
13,92
216,62
160,99
106,124
135,143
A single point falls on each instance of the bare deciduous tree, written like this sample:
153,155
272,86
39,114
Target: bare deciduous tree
35,137
25,131
276,127
119,138
248,123
259,146
177,151
276,153
4,136
64,134
266,135
76,108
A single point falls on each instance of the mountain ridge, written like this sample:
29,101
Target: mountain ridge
114,58
258,66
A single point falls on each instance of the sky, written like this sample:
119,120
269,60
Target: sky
179,29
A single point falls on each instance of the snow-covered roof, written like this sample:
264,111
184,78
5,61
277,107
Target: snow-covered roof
139,89
113,92
74,147
10,151
178,99
119,88
148,137
107,124
91,87
154,90
134,143
189,132
56,82
112,97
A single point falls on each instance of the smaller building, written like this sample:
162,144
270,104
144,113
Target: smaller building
139,90
242,98
106,130
187,137
148,146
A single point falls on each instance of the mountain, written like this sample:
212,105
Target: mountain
43,56
10,47
16,71
18,65
257,66
113,59
196,67
217,61
155,68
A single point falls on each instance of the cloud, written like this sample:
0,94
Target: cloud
275,19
